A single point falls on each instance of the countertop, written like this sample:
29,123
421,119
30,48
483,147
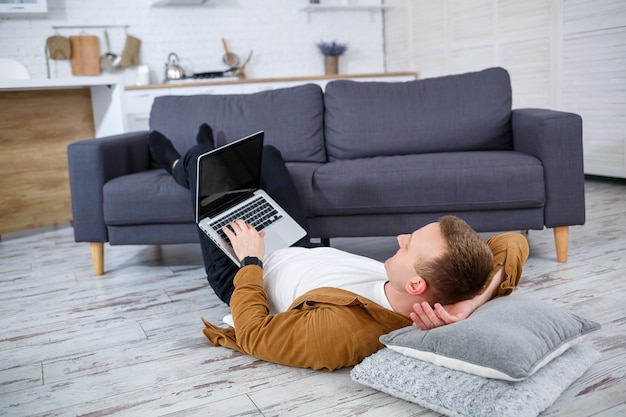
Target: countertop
234,80
60,83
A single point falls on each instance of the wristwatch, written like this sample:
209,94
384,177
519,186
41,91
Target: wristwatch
251,260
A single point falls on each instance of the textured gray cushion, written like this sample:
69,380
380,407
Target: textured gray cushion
458,394
292,118
508,338
464,112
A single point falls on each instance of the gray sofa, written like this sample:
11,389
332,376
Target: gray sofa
368,159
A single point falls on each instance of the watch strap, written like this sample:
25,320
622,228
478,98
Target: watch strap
251,260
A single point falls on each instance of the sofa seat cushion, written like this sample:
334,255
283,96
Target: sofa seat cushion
466,112
439,182
149,197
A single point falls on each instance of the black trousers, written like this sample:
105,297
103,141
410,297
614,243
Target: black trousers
275,180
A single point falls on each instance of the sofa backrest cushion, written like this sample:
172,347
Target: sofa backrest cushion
452,113
292,119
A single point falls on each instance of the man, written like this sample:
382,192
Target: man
325,309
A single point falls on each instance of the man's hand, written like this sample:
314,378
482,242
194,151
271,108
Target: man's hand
426,318
245,239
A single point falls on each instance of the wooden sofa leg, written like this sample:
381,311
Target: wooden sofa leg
97,256
561,236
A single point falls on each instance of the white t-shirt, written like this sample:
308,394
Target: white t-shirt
289,273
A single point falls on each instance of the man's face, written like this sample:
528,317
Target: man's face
422,245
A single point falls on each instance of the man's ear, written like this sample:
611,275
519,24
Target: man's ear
416,286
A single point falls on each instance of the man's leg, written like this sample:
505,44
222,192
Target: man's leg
219,268
275,180
510,252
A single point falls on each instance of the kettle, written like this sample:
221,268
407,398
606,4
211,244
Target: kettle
173,71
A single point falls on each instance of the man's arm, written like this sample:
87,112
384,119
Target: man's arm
426,318
328,334
314,334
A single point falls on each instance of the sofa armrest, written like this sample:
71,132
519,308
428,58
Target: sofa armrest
92,163
555,138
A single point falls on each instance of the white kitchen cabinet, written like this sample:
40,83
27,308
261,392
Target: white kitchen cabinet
137,121
250,88
138,104
138,99
272,85
207,89
322,83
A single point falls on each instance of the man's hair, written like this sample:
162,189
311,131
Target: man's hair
463,270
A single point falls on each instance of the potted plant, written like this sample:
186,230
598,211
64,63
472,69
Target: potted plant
331,51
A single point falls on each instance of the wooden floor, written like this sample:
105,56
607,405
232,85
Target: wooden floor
129,343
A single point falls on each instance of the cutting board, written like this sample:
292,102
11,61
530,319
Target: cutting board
85,55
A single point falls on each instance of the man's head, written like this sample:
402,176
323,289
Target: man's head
442,262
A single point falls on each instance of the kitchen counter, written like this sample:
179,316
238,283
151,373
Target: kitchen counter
39,119
106,93
298,79
51,83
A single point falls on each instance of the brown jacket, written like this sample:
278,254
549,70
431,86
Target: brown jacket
328,328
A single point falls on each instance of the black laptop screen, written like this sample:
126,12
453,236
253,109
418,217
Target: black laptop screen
228,174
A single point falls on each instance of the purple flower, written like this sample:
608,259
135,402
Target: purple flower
332,48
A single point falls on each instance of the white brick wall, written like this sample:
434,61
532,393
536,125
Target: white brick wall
281,35
561,54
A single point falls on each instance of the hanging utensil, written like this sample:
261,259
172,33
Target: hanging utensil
109,61
229,58
130,53
85,55
57,47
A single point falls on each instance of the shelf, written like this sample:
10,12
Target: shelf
331,7
313,8
175,3
17,9
92,27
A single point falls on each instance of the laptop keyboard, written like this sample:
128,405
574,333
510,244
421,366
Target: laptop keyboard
257,212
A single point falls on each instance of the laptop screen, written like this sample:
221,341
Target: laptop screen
227,174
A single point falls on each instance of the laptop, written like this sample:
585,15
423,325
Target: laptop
227,189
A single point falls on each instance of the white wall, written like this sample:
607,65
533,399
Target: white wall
562,54
281,35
